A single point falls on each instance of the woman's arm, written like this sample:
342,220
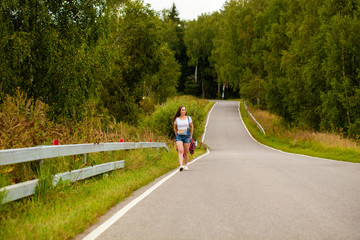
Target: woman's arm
175,129
191,129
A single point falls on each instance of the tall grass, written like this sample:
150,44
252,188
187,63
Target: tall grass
281,135
23,123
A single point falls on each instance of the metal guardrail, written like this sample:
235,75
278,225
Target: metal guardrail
21,155
259,125
25,189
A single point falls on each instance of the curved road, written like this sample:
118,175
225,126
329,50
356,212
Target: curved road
244,190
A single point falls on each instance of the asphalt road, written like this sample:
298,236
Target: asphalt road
244,190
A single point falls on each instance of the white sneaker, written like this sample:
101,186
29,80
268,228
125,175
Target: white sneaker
181,168
186,168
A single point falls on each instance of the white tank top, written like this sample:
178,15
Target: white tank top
182,124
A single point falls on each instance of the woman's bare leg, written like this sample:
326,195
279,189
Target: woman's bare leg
186,153
180,147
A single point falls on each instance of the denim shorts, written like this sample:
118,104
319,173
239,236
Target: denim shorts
183,138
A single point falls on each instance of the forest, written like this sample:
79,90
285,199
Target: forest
298,59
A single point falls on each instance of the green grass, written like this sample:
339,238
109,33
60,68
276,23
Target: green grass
69,209
281,139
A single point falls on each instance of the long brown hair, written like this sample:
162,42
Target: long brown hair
178,114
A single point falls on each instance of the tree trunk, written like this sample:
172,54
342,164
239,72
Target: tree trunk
196,71
344,76
343,61
258,94
202,89
223,92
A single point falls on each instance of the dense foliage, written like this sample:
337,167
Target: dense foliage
296,58
66,53
299,59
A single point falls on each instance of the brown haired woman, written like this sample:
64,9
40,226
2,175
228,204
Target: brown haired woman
182,123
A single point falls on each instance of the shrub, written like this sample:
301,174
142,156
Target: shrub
160,120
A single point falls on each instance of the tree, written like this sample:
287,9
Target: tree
173,34
48,50
340,21
163,84
300,63
198,39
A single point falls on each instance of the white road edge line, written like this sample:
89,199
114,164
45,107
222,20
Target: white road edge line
103,227
278,149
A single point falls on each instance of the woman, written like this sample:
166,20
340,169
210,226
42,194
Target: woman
182,123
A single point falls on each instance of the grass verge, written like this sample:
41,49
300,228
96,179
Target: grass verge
279,136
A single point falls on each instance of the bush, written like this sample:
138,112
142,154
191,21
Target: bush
160,120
